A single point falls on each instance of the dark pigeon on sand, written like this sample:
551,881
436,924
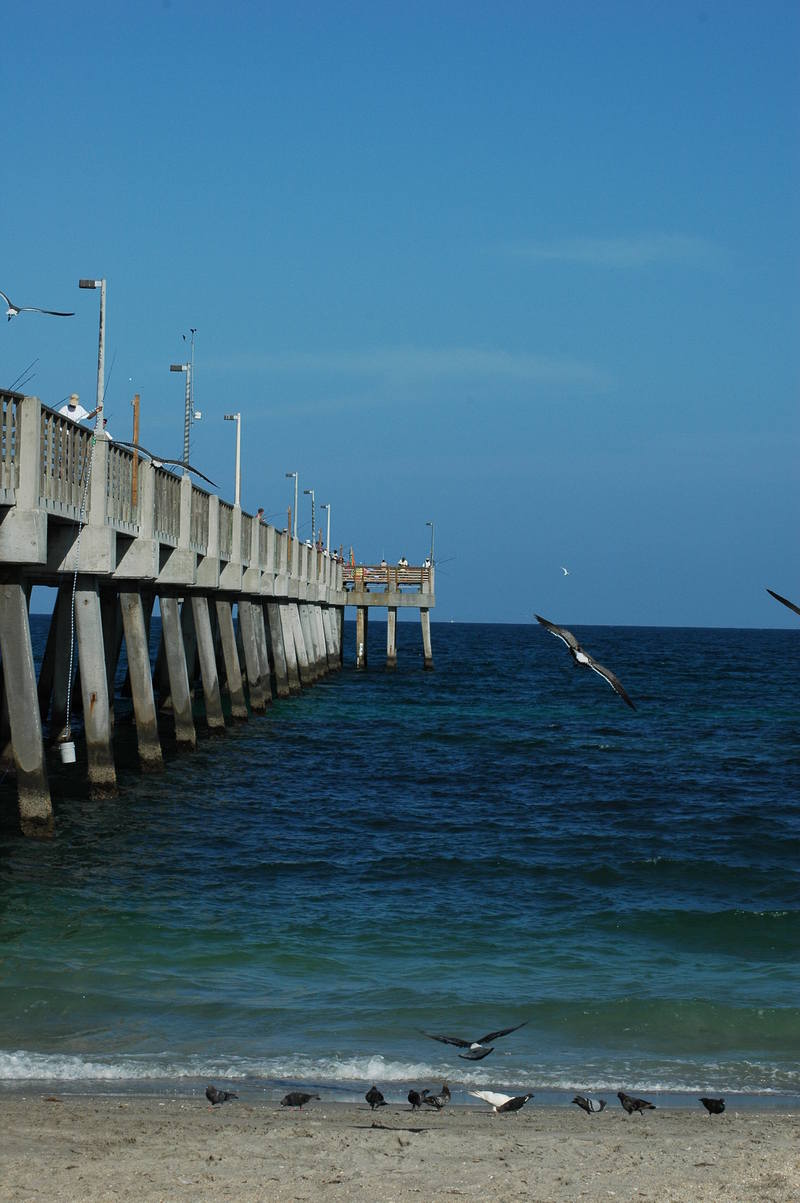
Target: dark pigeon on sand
215,1096
476,1049
374,1098
714,1106
416,1099
583,658
631,1104
590,1106
437,1101
297,1098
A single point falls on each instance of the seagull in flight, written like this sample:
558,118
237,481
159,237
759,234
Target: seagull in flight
13,309
476,1049
581,657
565,570
785,601
158,461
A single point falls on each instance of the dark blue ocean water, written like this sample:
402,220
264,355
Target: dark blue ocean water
496,841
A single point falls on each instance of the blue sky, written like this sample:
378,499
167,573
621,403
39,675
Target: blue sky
529,271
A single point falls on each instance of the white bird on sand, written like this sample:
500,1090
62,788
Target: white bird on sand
501,1102
583,658
13,309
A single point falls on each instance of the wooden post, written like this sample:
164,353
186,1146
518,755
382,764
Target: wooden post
135,474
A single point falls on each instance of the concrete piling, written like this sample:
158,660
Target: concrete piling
138,654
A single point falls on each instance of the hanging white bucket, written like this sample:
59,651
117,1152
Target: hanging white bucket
67,752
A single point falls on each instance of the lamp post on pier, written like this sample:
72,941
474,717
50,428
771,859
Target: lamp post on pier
310,492
430,524
327,507
237,418
187,416
294,511
101,347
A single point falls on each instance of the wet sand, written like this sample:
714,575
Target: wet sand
67,1147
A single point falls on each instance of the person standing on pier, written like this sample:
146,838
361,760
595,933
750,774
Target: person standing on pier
75,411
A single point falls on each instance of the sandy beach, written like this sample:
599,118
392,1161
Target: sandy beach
67,1147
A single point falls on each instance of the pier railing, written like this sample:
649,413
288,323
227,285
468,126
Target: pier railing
387,578
56,468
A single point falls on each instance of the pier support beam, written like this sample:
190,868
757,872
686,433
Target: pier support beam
305,648
287,627
252,660
300,646
427,651
144,706
208,663
263,651
362,623
391,637
175,655
33,790
94,688
278,650
230,655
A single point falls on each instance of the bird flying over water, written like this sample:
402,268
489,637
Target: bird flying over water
714,1106
375,1098
631,1104
583,658
13,309
784,601
590,1106
501,1102
159,460
565,570
297,1098
476,1049
215,1096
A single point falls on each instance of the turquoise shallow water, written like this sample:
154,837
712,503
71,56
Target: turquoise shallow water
497,841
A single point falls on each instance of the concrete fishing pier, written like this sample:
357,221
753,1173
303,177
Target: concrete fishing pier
248,613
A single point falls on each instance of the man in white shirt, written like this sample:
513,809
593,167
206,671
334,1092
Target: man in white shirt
75,411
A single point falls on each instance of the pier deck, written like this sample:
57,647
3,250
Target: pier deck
247,611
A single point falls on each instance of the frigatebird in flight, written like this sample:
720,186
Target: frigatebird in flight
158,461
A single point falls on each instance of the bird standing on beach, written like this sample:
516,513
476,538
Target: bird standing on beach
590,1106
630,1104
13,309
501,1102
215,1096
416,1099
297,1098
713,1106
583,658
374,1098
476,1049
437,1101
